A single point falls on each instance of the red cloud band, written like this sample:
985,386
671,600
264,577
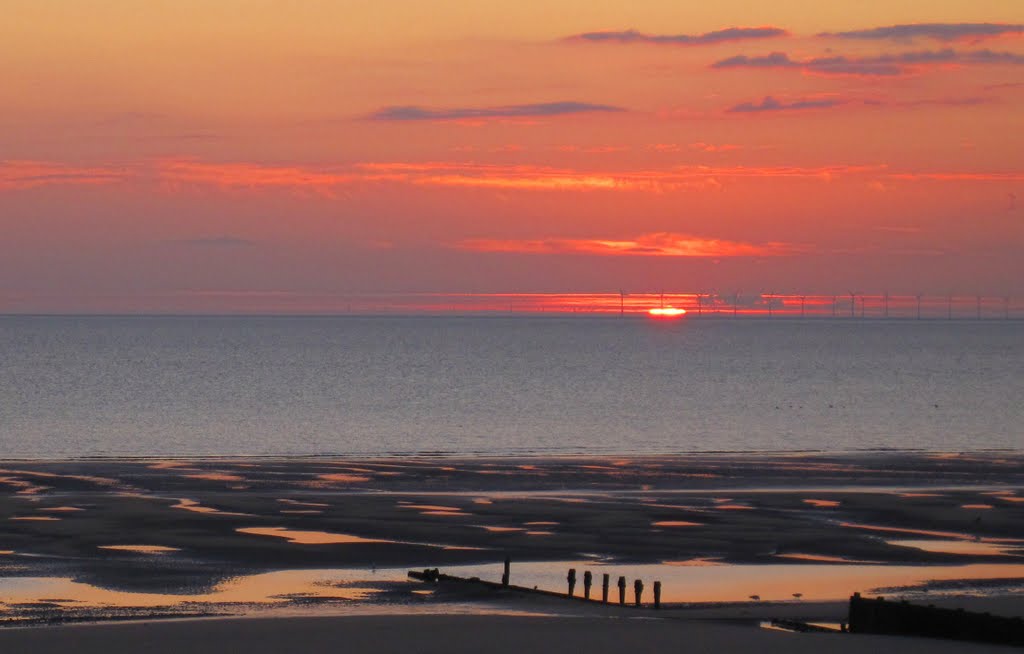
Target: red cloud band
661,244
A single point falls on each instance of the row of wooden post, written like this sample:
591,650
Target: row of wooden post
588,581
638,588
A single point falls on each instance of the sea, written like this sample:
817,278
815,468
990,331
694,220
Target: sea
483,385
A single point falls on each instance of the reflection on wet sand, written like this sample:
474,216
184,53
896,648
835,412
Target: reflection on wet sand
141,549
306,537
214,476
299,503
196,507
436,508
271,588
904,530
822,504
822,558
702,562
969,547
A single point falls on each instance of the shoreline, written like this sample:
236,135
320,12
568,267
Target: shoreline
327,533
527,456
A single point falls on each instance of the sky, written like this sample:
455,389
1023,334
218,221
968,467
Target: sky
264,155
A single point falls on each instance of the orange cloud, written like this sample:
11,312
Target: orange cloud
660,244
959,177
29,174
325,180
249,175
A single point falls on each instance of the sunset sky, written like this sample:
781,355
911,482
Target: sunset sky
255,155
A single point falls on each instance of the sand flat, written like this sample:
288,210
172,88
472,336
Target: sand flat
455,634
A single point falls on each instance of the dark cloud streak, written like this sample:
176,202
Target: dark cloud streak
708,38
416,113
938,31
770,104
886,65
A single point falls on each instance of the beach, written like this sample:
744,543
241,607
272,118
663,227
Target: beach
731,537
453,634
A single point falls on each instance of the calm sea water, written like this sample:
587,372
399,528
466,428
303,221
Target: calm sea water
105,386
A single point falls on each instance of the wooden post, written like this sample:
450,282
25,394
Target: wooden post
622,590
657,594
604,588
588,580
571,578
638,589
505,577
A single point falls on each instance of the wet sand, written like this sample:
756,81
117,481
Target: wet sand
454,634
184,527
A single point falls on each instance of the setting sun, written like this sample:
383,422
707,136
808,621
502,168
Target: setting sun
666,312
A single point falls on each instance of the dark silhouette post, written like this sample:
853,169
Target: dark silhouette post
571,578
588,580
508,566
638,590
657,594
604,588
622,590
919,296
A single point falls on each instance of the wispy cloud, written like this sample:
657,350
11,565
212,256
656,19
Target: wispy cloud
545,109
178,175
215,242
661,244
937,31
30,174
770,104
707,38
885,65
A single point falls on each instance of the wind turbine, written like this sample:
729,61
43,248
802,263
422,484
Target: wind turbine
853,303
736,301
919,296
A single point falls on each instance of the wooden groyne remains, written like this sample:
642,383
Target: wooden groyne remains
866,616
880,616
434,576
